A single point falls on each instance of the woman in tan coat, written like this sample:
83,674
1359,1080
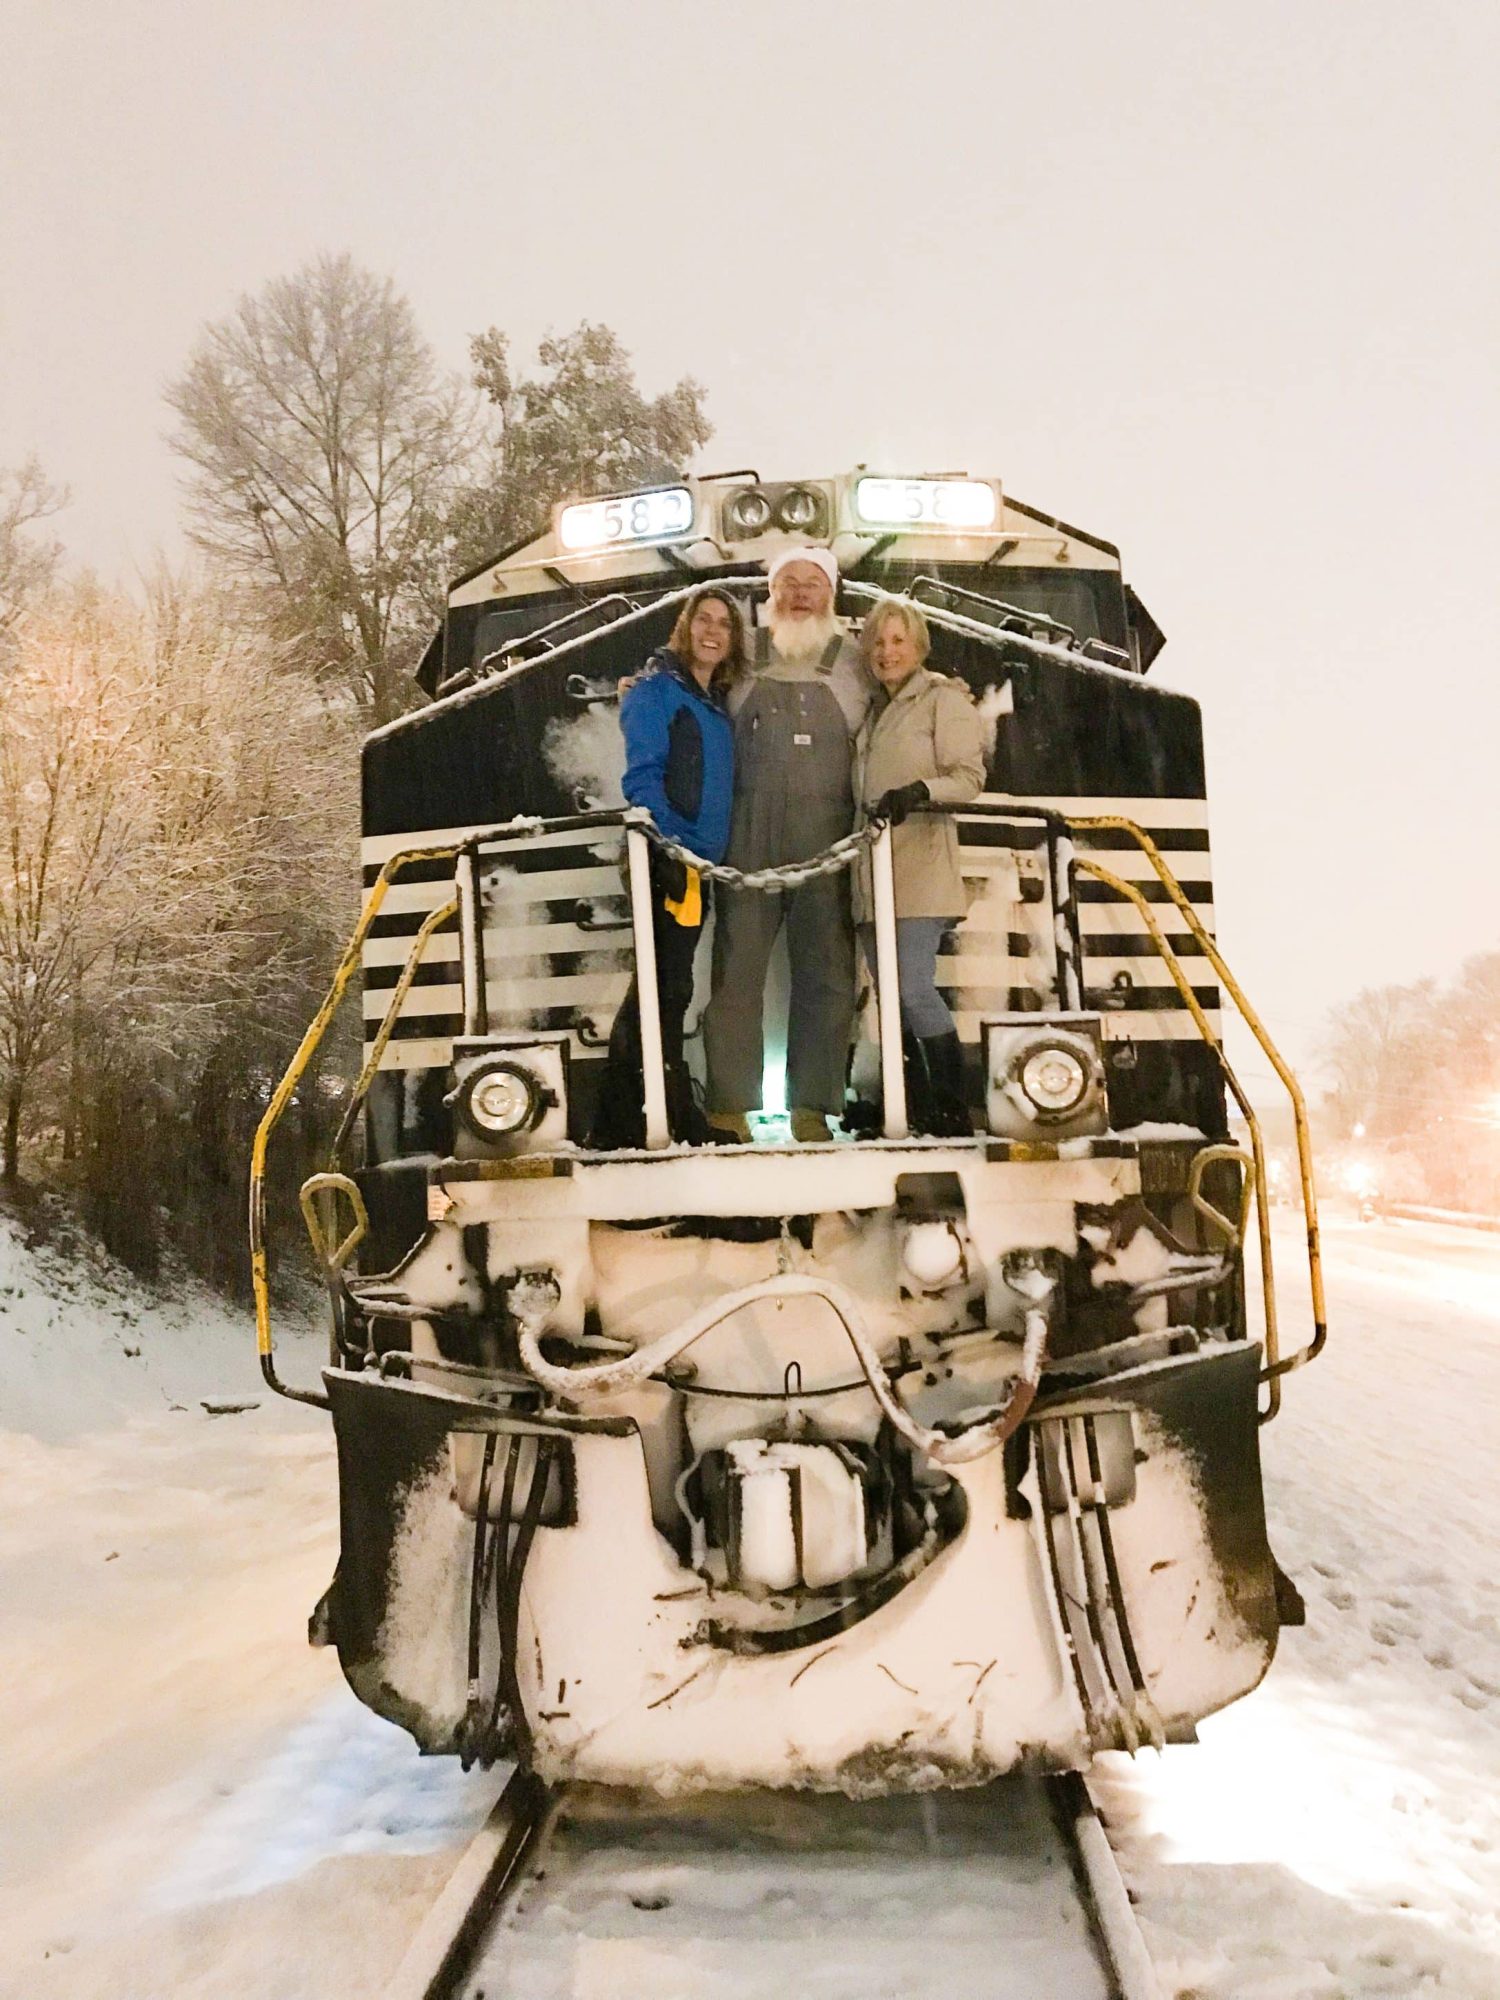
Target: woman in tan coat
922,742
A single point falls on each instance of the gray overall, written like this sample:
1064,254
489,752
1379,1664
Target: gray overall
793,796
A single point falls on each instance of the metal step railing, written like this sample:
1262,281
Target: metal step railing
1015,621
1009,628
1064,863
1277,1364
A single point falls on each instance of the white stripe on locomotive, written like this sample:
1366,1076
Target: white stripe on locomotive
978,962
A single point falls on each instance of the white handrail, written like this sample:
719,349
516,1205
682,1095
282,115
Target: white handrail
638,856
888,987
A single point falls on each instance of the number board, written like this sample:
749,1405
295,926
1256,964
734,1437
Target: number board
952,506
632,517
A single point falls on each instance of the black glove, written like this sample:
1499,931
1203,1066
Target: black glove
899,801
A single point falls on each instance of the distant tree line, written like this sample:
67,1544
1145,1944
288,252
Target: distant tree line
179,763
1416,1078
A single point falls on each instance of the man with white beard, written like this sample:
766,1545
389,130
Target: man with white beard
795,720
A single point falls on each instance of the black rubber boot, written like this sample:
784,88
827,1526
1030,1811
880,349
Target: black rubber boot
919,1108
947,1112
619,1121
685,1118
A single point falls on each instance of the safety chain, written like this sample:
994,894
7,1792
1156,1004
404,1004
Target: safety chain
792,875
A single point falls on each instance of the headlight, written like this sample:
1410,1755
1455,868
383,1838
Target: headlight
653,516
499,1098
1054,1079
748,513
928,506
800,510
1044,1079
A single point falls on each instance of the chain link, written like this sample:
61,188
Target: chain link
842,854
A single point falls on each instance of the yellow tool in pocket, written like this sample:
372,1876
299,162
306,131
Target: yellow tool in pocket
688,908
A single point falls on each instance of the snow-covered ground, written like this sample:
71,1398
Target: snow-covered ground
191,1804
1338,1834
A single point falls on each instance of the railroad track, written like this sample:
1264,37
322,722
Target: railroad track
1008,1891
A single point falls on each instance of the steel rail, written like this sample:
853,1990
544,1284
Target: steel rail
447,1947
490,1872
1102,1888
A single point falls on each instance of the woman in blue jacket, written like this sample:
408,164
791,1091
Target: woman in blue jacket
679,765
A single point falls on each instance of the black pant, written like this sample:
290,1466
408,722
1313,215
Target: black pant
619,1119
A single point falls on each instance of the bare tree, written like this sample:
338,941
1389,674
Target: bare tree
326,446
341,474
243,862
28,563
579,427
1417,1068
67,811
1372,1048
177,809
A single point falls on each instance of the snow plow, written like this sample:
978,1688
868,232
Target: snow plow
890,1462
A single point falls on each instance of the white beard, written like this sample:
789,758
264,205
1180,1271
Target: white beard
802,639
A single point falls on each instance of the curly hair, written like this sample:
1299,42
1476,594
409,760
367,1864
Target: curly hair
736,662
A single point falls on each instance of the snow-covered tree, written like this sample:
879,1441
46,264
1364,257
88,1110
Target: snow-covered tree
581,426
1417,1079
177,820
342,476
68,815
1373,1051
28,561
326,447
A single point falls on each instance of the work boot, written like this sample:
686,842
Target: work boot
947,1112
918,1085
685,1116
619,1120
810,1128
730,1128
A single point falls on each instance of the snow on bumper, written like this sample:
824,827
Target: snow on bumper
966,1672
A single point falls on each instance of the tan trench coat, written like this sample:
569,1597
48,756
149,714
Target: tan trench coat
929,729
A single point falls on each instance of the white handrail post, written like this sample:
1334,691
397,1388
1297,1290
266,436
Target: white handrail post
638,859
888,987
471,944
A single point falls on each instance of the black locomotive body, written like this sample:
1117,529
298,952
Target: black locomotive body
887,1463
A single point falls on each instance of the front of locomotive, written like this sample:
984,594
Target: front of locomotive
878,1464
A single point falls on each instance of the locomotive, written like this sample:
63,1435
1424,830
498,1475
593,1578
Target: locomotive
888,1463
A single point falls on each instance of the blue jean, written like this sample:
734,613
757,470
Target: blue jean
923,1009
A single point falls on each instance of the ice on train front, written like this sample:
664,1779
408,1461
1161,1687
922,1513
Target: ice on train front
888,1463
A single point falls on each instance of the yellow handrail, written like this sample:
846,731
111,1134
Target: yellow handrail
1257,1149
1272,1054
387,1026
333,1252
296,1068
1232,1232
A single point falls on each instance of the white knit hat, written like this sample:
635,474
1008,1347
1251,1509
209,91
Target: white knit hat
822,559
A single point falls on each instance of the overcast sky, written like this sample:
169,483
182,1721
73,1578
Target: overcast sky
1216,282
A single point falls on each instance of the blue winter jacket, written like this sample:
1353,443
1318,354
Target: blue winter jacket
679,755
